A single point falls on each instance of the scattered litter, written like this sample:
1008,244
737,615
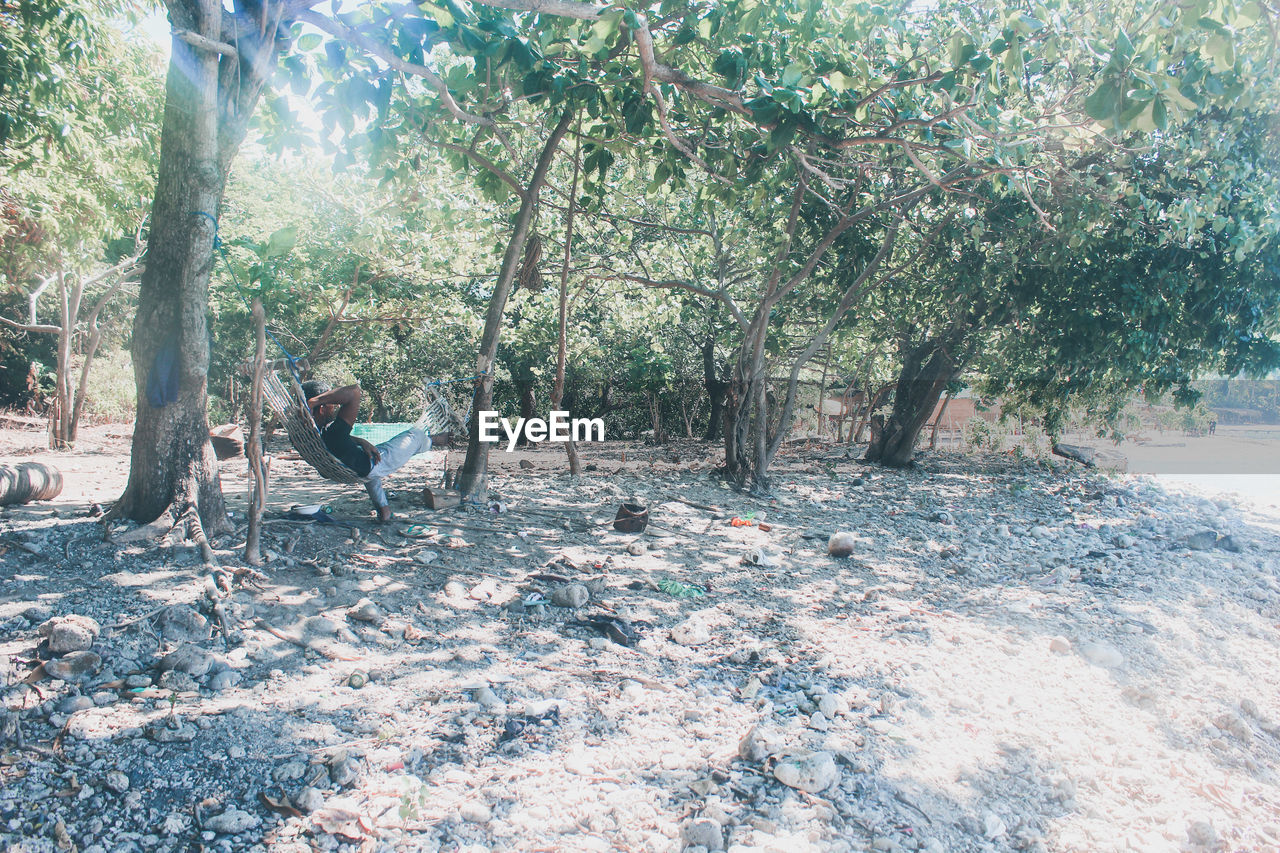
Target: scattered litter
679,589
318,514
418,531
518,726
616,628
631,518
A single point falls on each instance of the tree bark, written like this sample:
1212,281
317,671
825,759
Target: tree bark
716,389
528,407
926,370
562,338
209,99
473,480
253,449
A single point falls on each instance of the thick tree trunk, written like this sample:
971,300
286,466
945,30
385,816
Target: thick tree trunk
209,99
926,370
473,480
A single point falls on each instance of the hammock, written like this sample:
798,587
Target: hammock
305,437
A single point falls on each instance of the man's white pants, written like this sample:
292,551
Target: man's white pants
395,452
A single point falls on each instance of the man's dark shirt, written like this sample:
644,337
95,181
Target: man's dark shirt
337,437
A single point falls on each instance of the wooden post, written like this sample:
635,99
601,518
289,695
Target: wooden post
253,447
933,440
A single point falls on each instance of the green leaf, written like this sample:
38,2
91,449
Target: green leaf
1159,114
839,81
442,16
309,41
1123,48
603,31
1248,15
1223,52
961,49
1105,101
281,242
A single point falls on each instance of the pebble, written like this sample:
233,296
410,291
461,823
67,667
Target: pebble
71,704
1201,834
1201,540
137,680
183,624
177,681
636,548
841,544
321,626
76,666
191,659
812,772
344,771
1101,654
572,595
705,833
691,632
1041,532
993,827
104,697
72,633
426,558
366,610
161,732
308,800
117,781
224,679
37,613
752,747
231,822
474,811
829,706
486,698
1060,645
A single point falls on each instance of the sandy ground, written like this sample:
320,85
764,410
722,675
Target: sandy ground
1015,655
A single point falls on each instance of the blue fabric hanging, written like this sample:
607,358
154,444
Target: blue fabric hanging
162,381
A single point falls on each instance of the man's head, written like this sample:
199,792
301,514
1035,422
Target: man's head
322,413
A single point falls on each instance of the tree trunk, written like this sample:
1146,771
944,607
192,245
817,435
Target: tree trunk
473,480
528,407
926,370
253,449
933,439
716,389
62,374
562,338
209,99
655,417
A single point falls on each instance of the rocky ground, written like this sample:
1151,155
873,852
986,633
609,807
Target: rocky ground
1013,655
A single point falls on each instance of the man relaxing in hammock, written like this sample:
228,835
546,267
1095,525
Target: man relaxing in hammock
334,412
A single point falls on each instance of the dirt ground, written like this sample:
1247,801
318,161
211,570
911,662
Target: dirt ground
1015,655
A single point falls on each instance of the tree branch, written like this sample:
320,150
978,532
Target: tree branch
199,41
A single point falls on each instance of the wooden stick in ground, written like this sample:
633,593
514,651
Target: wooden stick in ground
253,447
